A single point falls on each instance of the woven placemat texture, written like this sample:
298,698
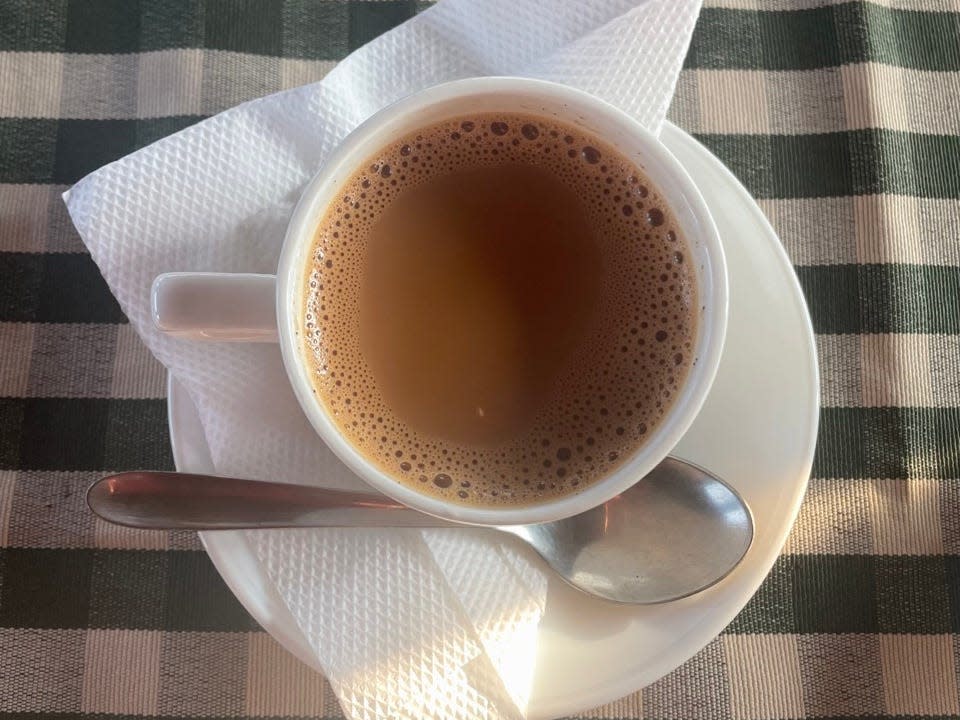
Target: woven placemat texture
842,119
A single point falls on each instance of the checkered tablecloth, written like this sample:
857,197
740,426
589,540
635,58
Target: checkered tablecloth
843,119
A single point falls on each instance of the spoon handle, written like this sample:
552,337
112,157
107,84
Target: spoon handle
182,501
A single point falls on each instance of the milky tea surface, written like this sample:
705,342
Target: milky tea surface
499,310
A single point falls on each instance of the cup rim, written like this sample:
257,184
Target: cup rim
314,202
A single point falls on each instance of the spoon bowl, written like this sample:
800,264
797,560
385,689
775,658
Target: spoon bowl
674,533
677,531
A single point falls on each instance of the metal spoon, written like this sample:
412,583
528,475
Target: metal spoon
677,531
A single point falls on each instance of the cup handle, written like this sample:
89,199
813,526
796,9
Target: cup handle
224,307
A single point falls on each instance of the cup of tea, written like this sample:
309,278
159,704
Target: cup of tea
500,301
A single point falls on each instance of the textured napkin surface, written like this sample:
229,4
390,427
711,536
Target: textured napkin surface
400,622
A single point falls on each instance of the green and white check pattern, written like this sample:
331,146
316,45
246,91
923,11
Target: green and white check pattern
843,119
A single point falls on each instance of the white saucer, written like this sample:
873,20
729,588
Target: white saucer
757,430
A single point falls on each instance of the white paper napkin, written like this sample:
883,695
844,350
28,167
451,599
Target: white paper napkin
406,624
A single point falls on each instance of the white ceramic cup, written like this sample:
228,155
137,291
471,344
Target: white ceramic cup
265,308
